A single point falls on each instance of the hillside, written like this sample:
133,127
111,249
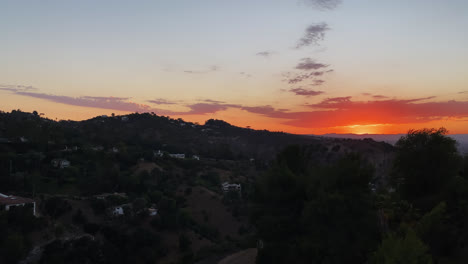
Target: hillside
80,172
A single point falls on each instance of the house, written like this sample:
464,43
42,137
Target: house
229,187
158,153
152,211
124,118
118,211
97,148
115,150
195,157
9,201
177,156
60,163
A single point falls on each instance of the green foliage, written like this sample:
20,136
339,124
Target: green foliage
426,160
315,214
408,249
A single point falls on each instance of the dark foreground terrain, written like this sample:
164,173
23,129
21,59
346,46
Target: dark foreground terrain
143,188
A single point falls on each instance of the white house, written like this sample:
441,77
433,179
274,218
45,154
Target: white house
195,157
158,153
124,118
97,148
118,211
228,187
9,201
178,156
152,211
60,163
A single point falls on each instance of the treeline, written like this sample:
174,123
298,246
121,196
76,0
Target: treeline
307,212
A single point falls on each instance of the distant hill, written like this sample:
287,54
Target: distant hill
462,139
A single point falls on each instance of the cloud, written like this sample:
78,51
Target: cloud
379,96
212,101
343,111
17,88
246,75
267,110
317,82
113,103
212,68
265,54
330,112
376,96
305,92
297,78
160,101
314,33
116,103
324,4
310,64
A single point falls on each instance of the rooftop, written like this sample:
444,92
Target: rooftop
10,199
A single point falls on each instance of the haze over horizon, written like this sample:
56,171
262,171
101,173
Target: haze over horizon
302,66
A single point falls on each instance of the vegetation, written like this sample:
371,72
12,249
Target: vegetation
313,213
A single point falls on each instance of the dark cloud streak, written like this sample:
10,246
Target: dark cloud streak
313,34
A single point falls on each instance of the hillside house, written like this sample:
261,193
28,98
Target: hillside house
152,211
229,187
119,210
124,118
177,156
196,157
97,148
9,201
60,163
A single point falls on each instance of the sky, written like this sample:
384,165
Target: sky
298,66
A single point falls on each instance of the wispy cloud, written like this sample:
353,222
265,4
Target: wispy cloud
310,64
317,82
305,92
265,54
113,103
160,101
246,75
330,112
17,88
212,68
376,96
324,4
293,78
313,34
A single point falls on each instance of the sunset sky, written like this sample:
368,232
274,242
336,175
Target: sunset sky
299,66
